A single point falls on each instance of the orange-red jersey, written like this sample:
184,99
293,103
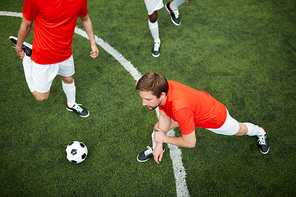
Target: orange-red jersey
193,108
54,24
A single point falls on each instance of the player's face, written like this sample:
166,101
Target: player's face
149,100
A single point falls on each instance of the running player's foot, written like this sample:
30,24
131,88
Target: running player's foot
26,46
146,154
156,49
81,111
174,14
263,143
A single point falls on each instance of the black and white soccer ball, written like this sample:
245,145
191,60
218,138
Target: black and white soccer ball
76,152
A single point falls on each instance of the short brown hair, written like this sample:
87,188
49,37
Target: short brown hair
154,82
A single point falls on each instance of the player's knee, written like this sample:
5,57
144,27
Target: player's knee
67,80
152,20
40,96
153,17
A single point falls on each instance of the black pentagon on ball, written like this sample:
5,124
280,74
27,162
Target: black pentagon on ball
74,151
73,161
83,156
71,143
82,145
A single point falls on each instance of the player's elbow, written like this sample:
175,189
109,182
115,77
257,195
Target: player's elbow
191,144
189,140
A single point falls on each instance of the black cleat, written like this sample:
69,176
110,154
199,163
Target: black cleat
146,154
26,46
156,49
263,143
81,111
174,14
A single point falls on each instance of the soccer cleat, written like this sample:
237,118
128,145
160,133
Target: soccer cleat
146,154
156,49
174,14
26,46
263,143
81,111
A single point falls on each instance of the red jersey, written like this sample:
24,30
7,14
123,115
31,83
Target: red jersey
54,24
192,108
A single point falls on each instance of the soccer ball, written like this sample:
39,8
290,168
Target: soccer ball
76,152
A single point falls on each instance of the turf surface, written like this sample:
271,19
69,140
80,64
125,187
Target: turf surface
241,52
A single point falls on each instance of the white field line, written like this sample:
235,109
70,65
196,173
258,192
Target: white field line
175,152
15,14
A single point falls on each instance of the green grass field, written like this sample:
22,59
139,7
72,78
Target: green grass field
241,52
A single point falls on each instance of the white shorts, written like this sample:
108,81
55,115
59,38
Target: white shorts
43,75
153,5
230,126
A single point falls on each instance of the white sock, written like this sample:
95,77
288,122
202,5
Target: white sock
70,91
27,65
176,3
154,30
253,129
153,143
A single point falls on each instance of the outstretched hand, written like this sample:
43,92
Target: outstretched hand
95,51
158,153
159,136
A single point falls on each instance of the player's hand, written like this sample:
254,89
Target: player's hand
158,152
95,51
187,1
159,136
20,52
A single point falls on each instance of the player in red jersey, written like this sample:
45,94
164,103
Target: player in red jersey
187,108
54,24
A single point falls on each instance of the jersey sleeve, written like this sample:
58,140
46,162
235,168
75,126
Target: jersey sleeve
185,119
83,11
30,10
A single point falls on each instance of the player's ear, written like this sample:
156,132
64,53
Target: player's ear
162,95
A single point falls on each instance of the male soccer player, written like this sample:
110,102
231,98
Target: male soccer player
152,7
54,24
187,108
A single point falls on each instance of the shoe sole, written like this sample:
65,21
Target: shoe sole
155,55
264,153
142,160
25,43
28,53
79,115
171,16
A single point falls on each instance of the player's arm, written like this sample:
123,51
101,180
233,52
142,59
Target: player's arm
185,118
187,141
87,24
22,35
164,123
